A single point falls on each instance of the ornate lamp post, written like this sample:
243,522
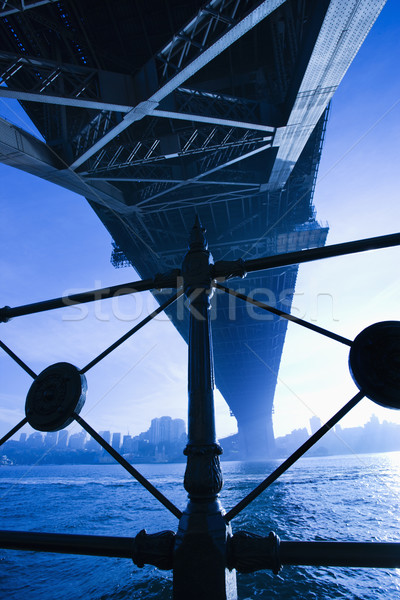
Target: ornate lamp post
200,549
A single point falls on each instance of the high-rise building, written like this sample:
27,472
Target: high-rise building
35,440
127,444
106,435
315,424
160,430
178,429
166,429
50,439
62,439
116,441
92,445
77,441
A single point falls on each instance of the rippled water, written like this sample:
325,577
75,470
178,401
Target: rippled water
336,498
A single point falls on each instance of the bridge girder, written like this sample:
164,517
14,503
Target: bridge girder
117,100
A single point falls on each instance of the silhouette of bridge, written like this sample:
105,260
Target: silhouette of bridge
160,110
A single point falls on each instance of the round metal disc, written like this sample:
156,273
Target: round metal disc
57,393
374,363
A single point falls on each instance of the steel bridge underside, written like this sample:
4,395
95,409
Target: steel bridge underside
157,111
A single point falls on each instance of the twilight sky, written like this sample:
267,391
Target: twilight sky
52,244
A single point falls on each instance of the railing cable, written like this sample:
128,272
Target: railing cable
128,467
13,430
131,332
294,457
18,360
284,315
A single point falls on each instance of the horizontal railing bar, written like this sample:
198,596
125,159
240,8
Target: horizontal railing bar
341,554
128,467
94,545
335,554
302,256
258,264
121,289
294,457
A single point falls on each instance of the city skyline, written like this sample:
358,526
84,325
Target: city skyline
163,441
53,437
161,429
158,445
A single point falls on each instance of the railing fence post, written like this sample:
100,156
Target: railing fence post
200,571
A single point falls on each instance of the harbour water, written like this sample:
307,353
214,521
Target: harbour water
346,498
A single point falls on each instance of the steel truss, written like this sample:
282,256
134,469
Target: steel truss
219,25
171,132
10,7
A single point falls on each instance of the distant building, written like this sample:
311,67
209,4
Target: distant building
166,429
373,425
50,439
178,429
62,439
106,435
116,441
77,441
92,445
127,444
315,424
22,438
290,442
35,440
160,430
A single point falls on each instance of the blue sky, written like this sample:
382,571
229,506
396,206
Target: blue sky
52,243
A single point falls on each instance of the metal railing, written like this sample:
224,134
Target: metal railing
204,527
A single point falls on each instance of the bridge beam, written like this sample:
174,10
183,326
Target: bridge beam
23,151
146,107
343,30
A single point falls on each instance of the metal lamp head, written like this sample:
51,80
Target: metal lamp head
374,363
55,396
